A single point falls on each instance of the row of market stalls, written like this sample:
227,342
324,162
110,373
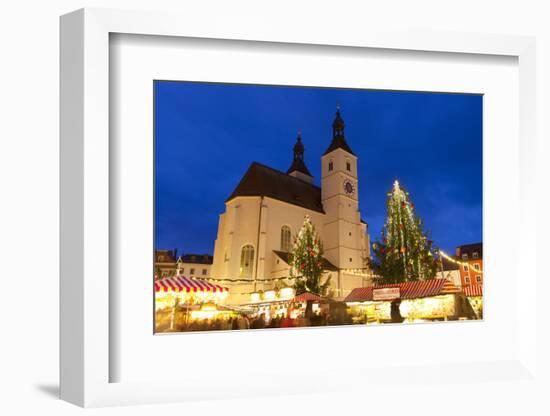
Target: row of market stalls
180,301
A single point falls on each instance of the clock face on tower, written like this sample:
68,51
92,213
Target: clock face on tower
349,187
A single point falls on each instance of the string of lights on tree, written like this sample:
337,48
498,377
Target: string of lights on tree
306,264
404,252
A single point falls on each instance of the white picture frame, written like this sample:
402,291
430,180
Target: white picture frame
86,356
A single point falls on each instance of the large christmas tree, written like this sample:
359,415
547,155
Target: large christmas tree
404,252
306,261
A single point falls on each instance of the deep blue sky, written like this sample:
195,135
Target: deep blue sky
208,134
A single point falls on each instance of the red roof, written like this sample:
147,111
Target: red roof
304,297
184,284
473,290
407,290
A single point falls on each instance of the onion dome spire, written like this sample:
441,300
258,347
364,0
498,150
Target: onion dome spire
298,164
338,138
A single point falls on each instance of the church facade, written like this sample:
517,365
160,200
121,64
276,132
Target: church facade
267,208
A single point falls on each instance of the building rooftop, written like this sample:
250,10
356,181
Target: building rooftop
261,180
197,258
469,250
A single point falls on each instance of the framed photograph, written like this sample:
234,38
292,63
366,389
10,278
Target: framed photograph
285,207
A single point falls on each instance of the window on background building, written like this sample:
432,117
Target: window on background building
464,257
475,255
476,266
465,267
191,271
247,261
285,239
204,271
467,280
478,278
330,166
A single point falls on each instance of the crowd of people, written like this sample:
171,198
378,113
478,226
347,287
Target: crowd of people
261,321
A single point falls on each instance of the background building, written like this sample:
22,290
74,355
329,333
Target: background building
167,264
473,271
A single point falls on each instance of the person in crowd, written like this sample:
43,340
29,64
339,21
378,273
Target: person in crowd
235,323
302,321
243,322
259,322
287,321
275,322
395,312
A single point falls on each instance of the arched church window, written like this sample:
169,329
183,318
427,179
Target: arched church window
247,261
285,238
330,166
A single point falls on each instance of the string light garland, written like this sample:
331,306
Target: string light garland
455,261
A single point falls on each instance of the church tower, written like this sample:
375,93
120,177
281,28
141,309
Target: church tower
298,169
343,231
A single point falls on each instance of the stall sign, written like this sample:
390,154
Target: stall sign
386,293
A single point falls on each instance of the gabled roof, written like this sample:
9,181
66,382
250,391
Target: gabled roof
261,180
284,256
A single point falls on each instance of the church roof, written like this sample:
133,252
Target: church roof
261,180
284,256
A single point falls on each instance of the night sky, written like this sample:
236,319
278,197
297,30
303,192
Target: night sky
206,136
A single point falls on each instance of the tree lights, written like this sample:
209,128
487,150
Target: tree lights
404,252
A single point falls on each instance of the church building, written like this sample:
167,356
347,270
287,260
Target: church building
267,208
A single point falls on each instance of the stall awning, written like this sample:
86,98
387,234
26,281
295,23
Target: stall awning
184,284
304,297
473,290
407,290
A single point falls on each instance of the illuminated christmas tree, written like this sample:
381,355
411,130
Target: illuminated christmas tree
404,252
307,261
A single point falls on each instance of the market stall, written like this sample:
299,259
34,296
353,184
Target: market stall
180,300
474,293
426,300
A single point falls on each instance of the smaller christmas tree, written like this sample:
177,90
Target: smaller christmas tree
404,253
306,262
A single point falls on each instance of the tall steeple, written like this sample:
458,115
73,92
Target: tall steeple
338,138
298,168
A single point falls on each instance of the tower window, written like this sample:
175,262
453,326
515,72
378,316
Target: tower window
348,165
330,166
247,260
285,238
